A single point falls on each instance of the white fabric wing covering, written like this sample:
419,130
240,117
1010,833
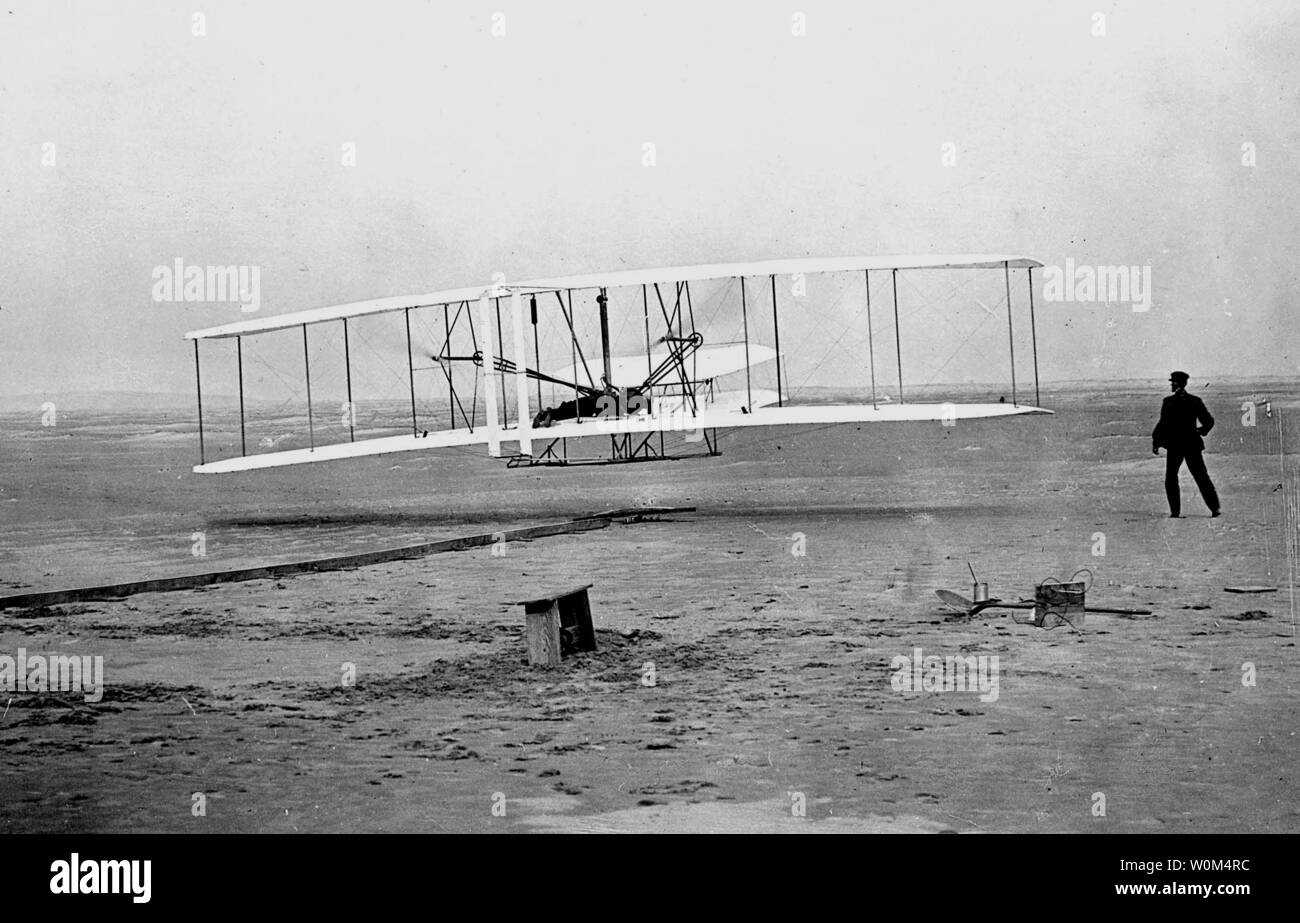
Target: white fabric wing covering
671,419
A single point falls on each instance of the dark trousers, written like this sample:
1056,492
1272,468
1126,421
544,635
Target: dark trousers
1196,465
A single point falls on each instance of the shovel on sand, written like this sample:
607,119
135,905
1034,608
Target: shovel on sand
969,607
966,607
972,607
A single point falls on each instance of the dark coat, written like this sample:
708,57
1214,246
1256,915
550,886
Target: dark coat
1183,421
588,405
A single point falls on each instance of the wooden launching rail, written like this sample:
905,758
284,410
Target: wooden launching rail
336,562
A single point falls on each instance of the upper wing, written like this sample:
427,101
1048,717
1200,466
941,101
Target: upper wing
614,280
806,265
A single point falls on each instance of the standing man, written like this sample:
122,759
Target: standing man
1183,421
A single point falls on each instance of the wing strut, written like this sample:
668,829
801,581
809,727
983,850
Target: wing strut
645,315
473,341
347,366
446,347
1029,275
489,383
524,423
695,367
776,331
602,300
239,352
1011,339
501,351
744,316
410,367
871,346
537,349
198,382
306,363
898,338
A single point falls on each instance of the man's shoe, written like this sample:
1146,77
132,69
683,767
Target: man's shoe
1213,513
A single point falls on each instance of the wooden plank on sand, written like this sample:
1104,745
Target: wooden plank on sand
291,568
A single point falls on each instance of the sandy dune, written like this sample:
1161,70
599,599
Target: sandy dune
772,707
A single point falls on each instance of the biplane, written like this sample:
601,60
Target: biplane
667,368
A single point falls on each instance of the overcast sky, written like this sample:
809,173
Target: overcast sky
127,141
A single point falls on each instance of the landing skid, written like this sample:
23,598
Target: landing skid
624,449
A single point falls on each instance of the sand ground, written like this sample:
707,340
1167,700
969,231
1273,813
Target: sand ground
772,670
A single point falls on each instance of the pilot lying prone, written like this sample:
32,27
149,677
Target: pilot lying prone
608,402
